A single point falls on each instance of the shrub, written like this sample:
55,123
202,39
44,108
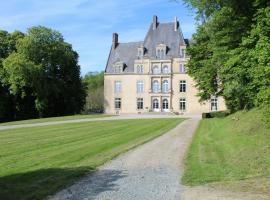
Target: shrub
217,114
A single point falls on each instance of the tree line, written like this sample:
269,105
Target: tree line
39,74
230,52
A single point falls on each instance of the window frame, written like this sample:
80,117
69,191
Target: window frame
139,103
183,103
140,86
117,86
117,103
182,86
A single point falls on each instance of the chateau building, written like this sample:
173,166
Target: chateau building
151,75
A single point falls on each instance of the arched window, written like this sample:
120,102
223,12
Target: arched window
155,104
165,104
155,86
165,69
165,86
156,70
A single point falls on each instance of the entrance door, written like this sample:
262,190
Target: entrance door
165,105
155,105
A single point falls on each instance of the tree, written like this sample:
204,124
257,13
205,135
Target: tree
225,53
59,90
94,83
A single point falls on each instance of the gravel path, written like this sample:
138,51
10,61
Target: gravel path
126,116
151,171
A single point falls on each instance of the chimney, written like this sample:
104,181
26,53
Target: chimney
176,24
114,40
155,22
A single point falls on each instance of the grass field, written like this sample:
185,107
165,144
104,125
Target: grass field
50,119
38,161
230,149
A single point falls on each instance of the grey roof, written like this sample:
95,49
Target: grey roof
127,52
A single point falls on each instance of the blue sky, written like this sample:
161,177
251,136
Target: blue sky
88,24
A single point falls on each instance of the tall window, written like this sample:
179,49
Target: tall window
140,69
140,86
117,103
117,86
139,103
155,86
165,69
183,86
158,53
183,105
165,104
156,69
155,104
165,86
214,104
182,68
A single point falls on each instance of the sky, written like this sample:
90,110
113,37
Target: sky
88,24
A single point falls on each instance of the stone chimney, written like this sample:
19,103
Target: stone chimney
155,22
114,40
176,24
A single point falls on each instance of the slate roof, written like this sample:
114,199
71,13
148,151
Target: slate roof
163,34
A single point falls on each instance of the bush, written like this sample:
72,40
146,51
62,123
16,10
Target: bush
217,114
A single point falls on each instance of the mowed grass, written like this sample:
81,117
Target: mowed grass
36,162
233,148
52,119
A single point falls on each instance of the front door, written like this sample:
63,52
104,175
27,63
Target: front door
165,105
155,105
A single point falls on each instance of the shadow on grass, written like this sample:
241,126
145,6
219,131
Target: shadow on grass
45,182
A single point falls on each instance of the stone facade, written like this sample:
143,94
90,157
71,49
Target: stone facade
150,76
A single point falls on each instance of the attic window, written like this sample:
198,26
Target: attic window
118,67
161,51
140,53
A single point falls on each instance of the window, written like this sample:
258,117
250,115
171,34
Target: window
139,103
162,54
165,86
155,86
117,86
183,104
140,69
165,104
183,53
158,53
140,86
182,68
214,104
165,69
183,86
155,104
117,103
156,70
118,69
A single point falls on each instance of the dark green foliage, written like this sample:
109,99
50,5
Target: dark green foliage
94,83
40,75
218,114
230,52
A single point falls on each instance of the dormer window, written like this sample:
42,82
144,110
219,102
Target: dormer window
141,51
118,67
161,51
182,51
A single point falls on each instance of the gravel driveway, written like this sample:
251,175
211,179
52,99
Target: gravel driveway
151,171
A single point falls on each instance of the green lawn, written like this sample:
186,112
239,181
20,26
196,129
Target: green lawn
38,161
233,148
50,119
